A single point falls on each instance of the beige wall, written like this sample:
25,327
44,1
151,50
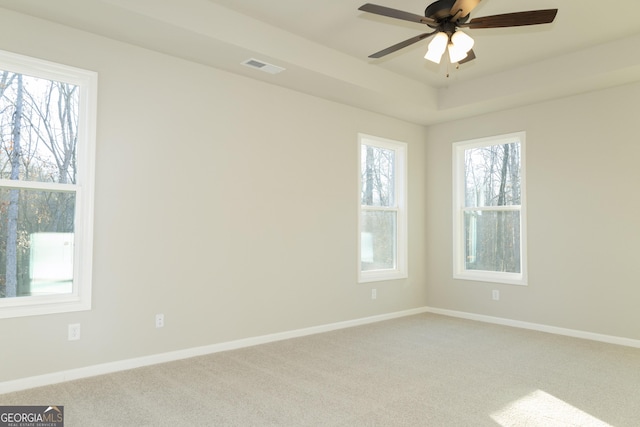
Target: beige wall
230,206
583,206
227,204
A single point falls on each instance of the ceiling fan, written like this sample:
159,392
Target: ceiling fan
445,17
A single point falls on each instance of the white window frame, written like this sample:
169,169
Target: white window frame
87,81
400,207
459,270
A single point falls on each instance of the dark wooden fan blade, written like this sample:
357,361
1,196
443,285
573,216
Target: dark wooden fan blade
470,57
462,8
517,19
395,13
400,45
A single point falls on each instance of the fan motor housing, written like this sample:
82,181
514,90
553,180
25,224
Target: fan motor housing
441,12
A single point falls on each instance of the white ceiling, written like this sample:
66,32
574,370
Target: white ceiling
324,46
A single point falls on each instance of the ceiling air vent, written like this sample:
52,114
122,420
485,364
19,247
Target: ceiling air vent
263,66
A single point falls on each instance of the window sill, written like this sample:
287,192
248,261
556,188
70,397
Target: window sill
494,277
380,275
35,306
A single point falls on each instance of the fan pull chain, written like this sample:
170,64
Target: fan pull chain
448,72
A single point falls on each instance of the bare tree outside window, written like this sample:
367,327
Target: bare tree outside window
38,140
379,225
382,210
489,187
492,179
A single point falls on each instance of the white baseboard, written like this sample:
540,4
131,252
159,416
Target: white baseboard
610,339
123,365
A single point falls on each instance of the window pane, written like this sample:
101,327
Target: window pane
38,129
36,242
378,240
377,174
492,175
492,241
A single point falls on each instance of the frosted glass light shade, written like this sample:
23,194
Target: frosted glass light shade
462,41
437,46
456,54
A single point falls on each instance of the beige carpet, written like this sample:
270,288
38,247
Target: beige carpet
423,370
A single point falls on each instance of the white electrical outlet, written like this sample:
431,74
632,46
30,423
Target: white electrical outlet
74,332
495,295
374,293
159,320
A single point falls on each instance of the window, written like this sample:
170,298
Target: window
489,209
383,214
47,144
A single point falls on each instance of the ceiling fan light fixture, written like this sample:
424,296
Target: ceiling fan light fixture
456,54
459,46
436,48
462,41
445,16
434,56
